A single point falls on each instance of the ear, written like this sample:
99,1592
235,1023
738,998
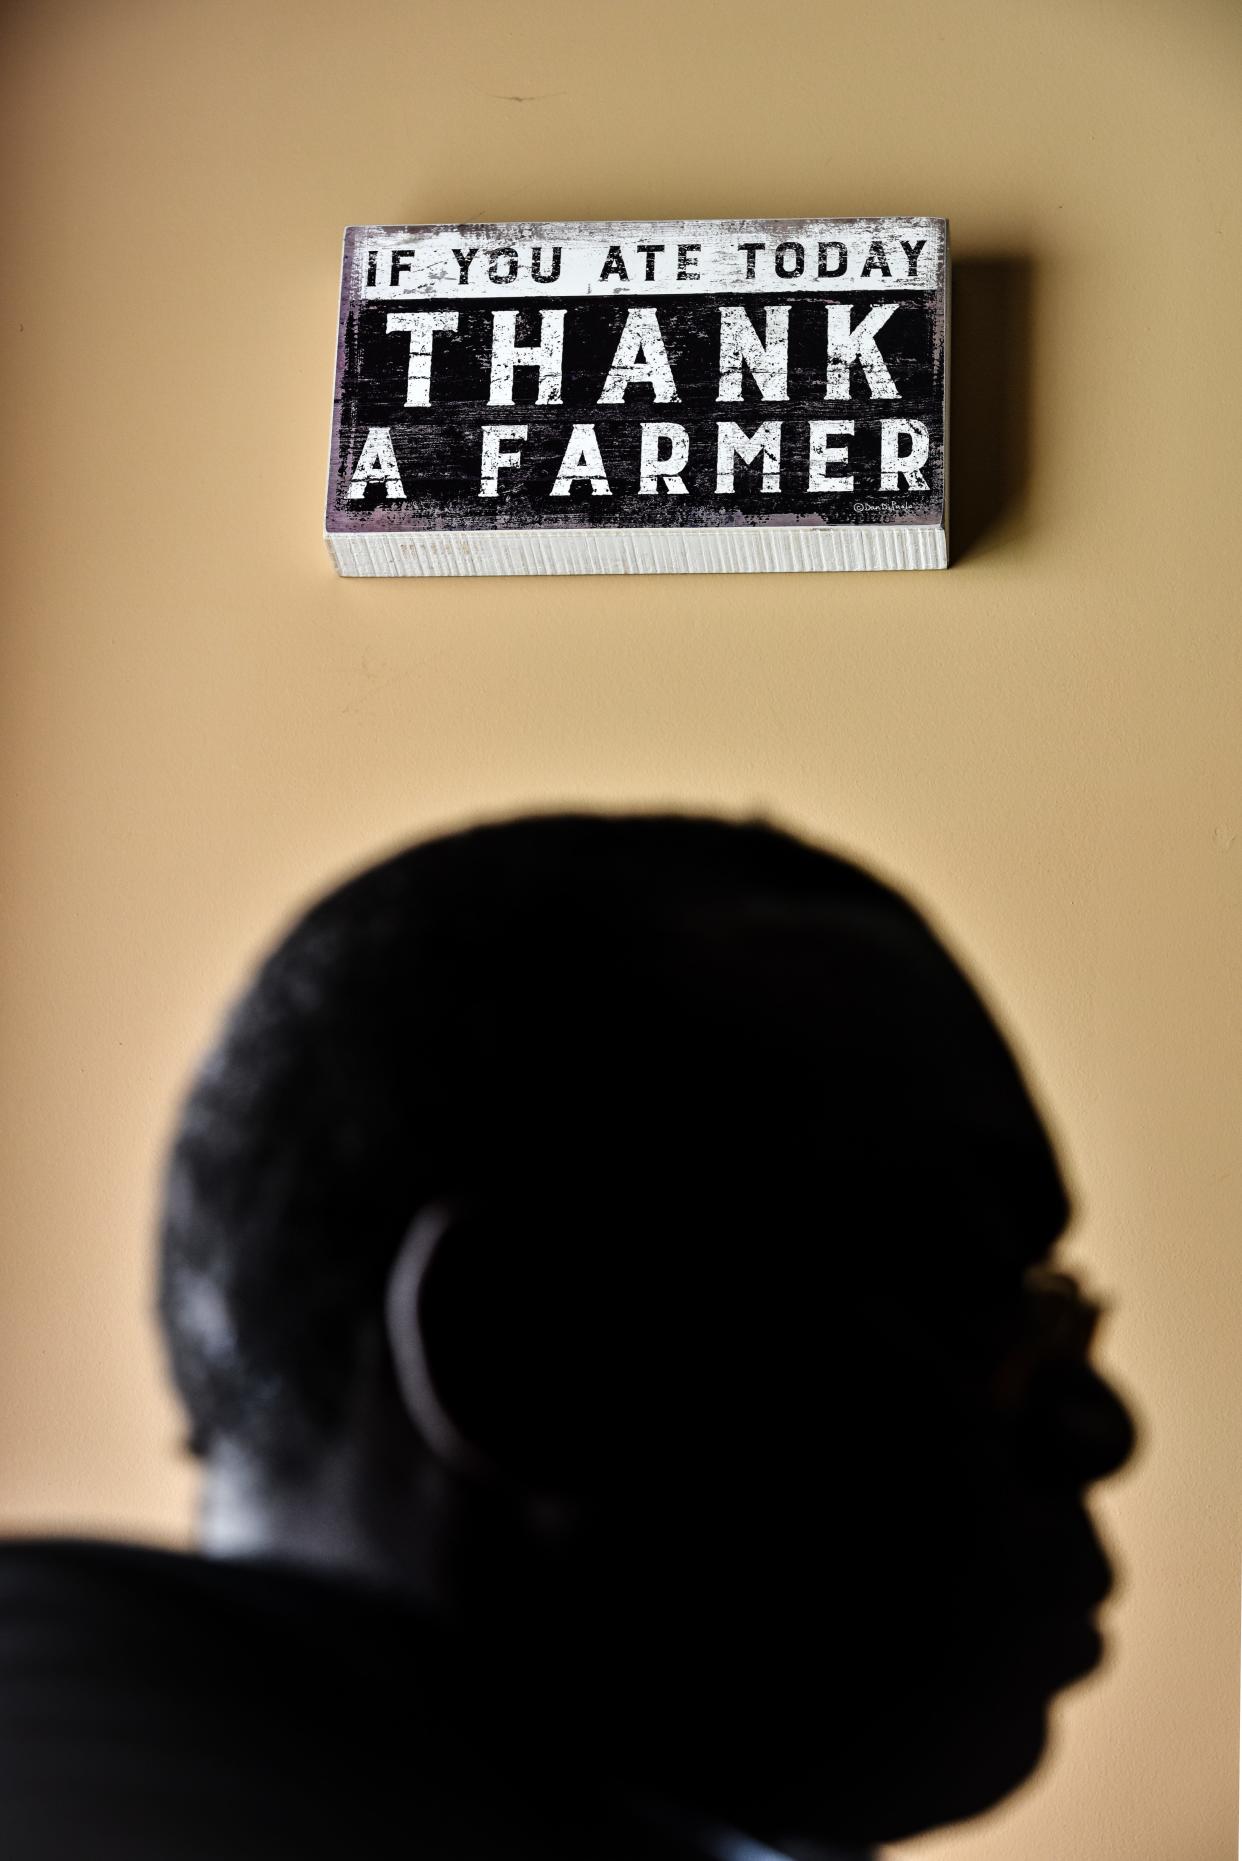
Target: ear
487,1354
405,1317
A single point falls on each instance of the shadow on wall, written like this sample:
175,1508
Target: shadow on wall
989,400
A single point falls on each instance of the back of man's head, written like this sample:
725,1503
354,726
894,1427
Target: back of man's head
524,1002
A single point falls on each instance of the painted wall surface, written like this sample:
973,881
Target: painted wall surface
201,724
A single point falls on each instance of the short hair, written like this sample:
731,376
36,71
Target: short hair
425,1029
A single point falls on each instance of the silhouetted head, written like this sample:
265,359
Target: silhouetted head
618,1232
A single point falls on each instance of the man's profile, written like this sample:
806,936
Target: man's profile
605,1266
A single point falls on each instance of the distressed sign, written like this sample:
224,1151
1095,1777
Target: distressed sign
681,395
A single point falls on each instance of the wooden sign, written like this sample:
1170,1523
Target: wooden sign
629,398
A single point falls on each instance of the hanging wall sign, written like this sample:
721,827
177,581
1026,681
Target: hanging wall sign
629,398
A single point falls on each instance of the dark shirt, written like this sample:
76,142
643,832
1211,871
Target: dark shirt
164,1707
159,1706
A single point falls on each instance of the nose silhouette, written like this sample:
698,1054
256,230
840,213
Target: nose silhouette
1078,1429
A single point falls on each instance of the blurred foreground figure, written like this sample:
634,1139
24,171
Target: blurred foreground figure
604,1264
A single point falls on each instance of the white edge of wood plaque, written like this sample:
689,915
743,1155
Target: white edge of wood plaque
690,551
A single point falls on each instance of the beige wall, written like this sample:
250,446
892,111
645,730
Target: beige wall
200,723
